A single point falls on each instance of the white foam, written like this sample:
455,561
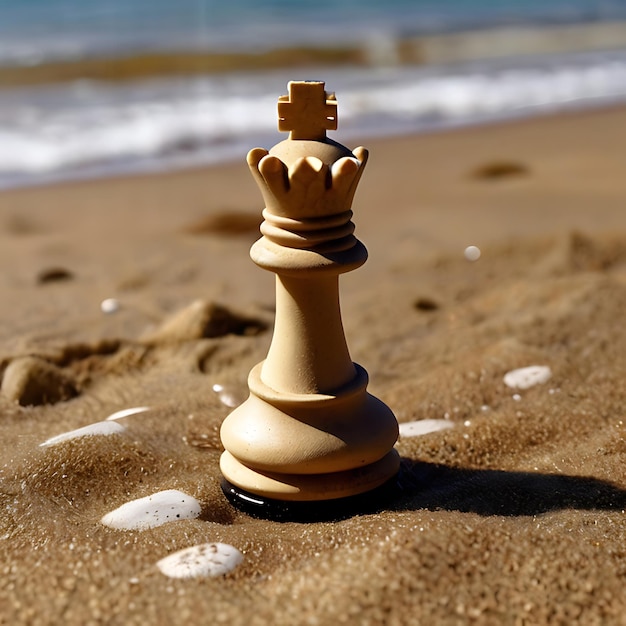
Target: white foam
204,560
423,427
126,412
99,428
155,510
91,128
526,377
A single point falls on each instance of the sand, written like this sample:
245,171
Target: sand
515,515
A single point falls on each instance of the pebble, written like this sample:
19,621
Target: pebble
126,412
33,381
204,560
110,305
99,428
472,253
423,427
526,377
155,510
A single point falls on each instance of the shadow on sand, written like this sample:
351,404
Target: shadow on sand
496,492
431,487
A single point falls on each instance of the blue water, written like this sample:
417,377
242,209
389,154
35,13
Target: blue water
91,128
34,30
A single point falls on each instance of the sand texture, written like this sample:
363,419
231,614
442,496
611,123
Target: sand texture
514,515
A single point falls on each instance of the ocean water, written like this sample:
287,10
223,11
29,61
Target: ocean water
33,30
84,127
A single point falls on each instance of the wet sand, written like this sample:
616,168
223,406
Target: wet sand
515,515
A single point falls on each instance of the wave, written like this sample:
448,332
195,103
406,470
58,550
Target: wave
93,128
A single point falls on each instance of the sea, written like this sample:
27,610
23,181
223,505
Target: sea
477,61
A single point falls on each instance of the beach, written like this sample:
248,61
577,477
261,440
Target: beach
511,514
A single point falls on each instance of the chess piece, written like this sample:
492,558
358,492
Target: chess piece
309,431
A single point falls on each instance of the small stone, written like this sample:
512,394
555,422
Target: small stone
32,381
472,253
110,305
155,510
526,377
204,560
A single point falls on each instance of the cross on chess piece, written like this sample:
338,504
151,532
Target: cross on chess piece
307,112
309,438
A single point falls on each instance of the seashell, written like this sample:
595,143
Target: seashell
99,428
204,560
126,412
229,395
526,377
472,253
155,510
423,427
110,305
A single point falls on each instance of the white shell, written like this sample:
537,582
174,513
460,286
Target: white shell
527,377
126,412
423,427
110,305
204,560
228,395
472,253
159,508
99,428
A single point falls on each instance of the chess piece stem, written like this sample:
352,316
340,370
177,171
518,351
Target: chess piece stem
308,353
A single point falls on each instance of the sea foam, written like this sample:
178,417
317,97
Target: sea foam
91,128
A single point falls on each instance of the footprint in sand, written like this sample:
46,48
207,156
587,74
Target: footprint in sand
500,170
32,381
226,223
54,275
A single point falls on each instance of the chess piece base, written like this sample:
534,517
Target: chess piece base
336,509
309,446
309,487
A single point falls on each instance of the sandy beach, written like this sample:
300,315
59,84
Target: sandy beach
513,515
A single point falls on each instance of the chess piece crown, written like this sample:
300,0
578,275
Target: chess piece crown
308,181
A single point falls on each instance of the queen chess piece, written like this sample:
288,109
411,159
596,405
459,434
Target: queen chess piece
309,437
